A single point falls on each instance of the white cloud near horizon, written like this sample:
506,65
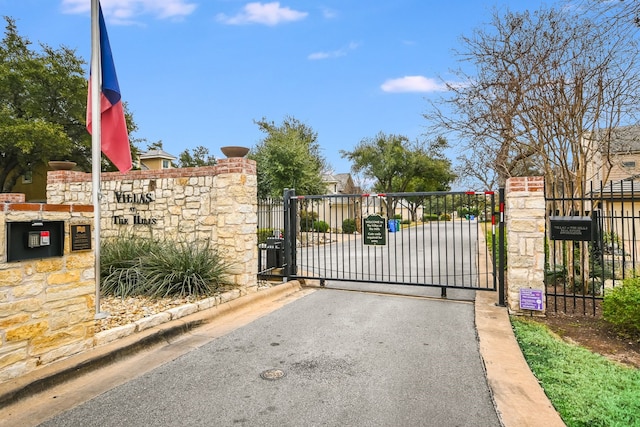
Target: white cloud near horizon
334,53
270,14
125,11
412,84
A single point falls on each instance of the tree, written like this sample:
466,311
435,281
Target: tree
196,157
288,157
397,166
43,100
542,82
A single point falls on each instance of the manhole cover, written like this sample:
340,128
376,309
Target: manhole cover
272,374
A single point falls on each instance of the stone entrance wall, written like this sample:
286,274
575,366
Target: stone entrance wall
216,203
47,305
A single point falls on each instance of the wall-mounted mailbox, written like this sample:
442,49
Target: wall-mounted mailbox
35,239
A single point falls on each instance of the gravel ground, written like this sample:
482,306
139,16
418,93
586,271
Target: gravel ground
123,311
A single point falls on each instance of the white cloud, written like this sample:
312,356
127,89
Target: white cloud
329,13
334,53
124,11
263,13
413,84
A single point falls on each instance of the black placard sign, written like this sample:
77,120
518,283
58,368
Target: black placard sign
374,230
571,228
80,237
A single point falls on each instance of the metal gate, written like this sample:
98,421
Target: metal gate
437,239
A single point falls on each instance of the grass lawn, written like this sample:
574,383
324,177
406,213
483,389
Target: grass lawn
585,388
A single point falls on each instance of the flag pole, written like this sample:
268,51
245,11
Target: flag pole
96,137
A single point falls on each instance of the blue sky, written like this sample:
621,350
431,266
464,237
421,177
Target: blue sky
199,72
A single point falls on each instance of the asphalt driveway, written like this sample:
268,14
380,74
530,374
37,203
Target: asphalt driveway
334,358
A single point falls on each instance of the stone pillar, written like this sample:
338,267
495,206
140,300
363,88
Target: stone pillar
525,225
236,208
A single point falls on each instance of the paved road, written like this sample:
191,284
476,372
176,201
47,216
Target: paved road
348,359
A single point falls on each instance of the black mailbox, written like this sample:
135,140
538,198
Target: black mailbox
275,252
35,239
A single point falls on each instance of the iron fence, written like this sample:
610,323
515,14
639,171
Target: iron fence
434,239
591,243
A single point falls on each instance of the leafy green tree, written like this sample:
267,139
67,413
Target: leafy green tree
398,166
196,157
43,100
288,157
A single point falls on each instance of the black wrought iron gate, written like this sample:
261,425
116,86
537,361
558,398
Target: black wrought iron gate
438,239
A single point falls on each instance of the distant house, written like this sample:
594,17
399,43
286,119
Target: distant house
617,156
336,209
156,159
614,185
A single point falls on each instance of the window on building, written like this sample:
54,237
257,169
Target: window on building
27,177
629,164
166,164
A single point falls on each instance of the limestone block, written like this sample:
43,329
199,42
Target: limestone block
57,276
31,288
26,332
46,343
80,260
13,321
70,290
28,305
182,311
66,351
151,321
10,277
109,335
229,295
12,357
48,265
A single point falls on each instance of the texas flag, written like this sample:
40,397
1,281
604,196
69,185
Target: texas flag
114,137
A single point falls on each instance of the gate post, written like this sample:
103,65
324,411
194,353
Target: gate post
525,220
290,228
501,255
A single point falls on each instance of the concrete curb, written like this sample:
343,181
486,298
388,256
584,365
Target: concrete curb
518,397
83,363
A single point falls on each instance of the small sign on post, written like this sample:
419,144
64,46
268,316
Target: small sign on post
374,230
531,299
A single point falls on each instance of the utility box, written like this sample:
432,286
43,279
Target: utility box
35,239
275,252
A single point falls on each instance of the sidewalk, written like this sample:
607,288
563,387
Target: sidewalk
519,399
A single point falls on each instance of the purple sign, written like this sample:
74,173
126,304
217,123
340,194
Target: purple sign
531,299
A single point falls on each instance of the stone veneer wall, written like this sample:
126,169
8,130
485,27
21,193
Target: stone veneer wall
216,203
525,225
46,305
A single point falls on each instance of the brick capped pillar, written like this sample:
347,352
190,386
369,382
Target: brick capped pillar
525,225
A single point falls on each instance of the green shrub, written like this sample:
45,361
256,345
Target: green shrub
405,221
263,233
429,217
349,226
445,217
320,226
307,219
132,265
185,269
120,262
621,306
397,216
